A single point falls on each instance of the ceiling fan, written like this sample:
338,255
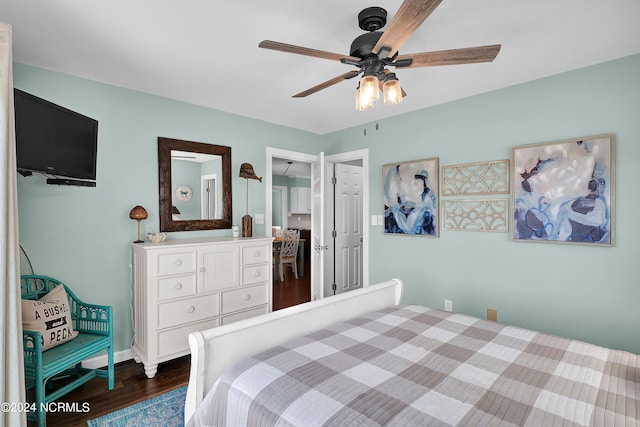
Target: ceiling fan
374,51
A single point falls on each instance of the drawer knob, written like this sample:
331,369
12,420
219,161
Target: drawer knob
178,262
257,273
178,286
202,269
257,254
191,309
247,297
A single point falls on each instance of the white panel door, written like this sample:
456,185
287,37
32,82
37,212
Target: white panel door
208,197
348,227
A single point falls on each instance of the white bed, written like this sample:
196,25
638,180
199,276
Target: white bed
361,358
215,350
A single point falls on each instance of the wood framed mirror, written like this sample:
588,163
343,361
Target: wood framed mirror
195,185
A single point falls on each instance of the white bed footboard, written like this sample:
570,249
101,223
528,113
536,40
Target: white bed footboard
215,350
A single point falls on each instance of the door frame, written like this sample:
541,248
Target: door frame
362,155
268,181
268,178
350,156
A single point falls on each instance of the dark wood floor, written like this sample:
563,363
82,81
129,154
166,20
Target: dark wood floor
292,291
132,386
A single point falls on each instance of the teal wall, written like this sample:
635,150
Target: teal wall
280,180
188,173
82,235
299,182
583,292
276,209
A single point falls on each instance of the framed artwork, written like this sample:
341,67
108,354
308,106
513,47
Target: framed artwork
491,215
476,178
564,191
410,193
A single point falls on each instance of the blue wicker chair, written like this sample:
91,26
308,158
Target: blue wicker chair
95,326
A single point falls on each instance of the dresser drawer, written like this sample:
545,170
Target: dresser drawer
187,310
256,253
244,315
177,262
176,340
255,274
176,286
248,297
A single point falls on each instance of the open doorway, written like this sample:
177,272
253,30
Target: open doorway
311,207
288,181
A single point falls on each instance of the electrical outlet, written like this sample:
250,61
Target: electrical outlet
259,218
374,219
492,314
448,305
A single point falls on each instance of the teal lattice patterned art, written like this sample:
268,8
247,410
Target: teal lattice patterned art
476,178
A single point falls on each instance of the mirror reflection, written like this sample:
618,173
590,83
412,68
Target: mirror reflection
195,185
195,182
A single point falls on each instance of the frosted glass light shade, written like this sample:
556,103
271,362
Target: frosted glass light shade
392,92
369,89
361,104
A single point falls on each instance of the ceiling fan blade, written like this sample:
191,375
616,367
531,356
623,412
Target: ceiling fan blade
451,57
407,19
327,84
299,50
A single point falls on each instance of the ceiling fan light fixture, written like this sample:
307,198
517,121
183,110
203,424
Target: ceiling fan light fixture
362,104
374,50
369,89
392,90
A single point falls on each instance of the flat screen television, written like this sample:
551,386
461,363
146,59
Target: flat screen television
55,141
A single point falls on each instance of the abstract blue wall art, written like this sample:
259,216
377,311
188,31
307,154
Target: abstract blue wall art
410,192
564,191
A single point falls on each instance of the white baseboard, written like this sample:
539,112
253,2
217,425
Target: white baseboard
100,361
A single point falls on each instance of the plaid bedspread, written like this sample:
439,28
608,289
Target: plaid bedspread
416,366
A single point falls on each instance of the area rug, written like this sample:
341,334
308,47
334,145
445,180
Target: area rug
166,410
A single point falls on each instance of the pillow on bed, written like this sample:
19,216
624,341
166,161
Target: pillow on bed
50,316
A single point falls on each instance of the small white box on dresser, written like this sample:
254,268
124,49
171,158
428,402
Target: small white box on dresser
181,286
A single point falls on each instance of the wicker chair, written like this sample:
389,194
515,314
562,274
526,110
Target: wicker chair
94,324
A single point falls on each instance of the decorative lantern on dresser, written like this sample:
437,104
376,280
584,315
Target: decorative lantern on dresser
181,286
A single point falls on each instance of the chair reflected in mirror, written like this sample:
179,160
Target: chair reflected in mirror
289,252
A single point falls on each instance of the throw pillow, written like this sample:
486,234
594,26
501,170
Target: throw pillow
50,316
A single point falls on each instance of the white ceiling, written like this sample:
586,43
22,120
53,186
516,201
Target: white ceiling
295,169
206,52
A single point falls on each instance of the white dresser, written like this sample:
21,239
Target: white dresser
181,286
